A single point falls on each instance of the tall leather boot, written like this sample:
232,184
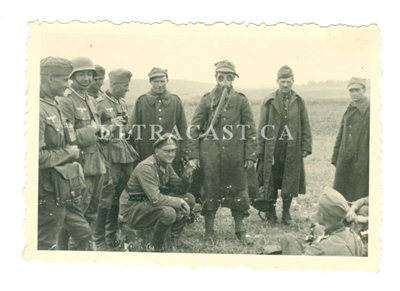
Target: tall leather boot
240,229
63,240
209,232
111,228
176,231
100,230
286,217
81,245
160,231
271,217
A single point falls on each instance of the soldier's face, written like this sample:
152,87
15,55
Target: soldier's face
97,83
285,85
83,78
166,156
59,84
225,79
356,93
120,89
159,84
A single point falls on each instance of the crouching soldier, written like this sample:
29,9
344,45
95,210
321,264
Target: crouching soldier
156,197
61,179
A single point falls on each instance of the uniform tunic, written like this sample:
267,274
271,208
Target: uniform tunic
53,152
351,152
337,242
118,152
150,188
80,111
284,153
222,155
165,110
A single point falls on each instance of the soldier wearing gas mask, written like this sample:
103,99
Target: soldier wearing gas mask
222,143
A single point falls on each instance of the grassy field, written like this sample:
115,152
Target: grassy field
325,115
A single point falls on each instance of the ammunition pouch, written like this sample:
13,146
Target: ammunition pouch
68,182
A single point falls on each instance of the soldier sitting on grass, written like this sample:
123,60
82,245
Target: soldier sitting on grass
331,238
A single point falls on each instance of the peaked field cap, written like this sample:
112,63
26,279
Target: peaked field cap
158,72
101,72
356,83
225,66
56,66
285,72
120,76
333,204
167,141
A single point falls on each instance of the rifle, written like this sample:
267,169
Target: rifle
216,113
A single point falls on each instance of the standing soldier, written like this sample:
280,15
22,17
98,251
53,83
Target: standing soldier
351,151
56,156
159,111
119,155
98,81
80,110
223,143
284,140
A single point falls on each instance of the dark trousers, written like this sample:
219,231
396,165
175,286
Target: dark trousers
91,196
51,219
145,215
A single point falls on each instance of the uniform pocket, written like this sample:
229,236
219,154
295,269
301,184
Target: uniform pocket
54,135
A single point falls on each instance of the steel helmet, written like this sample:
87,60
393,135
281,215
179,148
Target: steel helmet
83,64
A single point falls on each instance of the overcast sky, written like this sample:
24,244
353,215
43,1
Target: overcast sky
189,52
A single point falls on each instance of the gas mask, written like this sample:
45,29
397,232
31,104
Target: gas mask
225,79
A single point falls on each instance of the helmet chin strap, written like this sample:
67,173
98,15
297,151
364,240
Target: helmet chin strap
82,85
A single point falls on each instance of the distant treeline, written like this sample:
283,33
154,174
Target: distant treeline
329,83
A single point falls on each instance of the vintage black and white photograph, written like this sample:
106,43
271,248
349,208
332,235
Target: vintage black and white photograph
251,140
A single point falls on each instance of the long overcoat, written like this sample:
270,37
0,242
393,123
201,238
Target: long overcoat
294,179
351,152
222,155
164,110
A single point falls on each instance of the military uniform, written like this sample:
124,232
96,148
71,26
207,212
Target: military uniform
53,152
165,110
337,240
222,156
81,111
153,196
120,157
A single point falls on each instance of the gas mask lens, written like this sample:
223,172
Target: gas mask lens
221,78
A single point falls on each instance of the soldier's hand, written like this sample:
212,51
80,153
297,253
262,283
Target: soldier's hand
74,149
351,215
195,163
189,168
248,164
305,154
184,206
117,121
319,232
105,133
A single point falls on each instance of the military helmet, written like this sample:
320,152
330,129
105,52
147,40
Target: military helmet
83,64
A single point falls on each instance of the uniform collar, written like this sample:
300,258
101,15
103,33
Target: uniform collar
79,95
111,97
334,229
165,98
361,106
274,96
217,96
160,167
46,98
